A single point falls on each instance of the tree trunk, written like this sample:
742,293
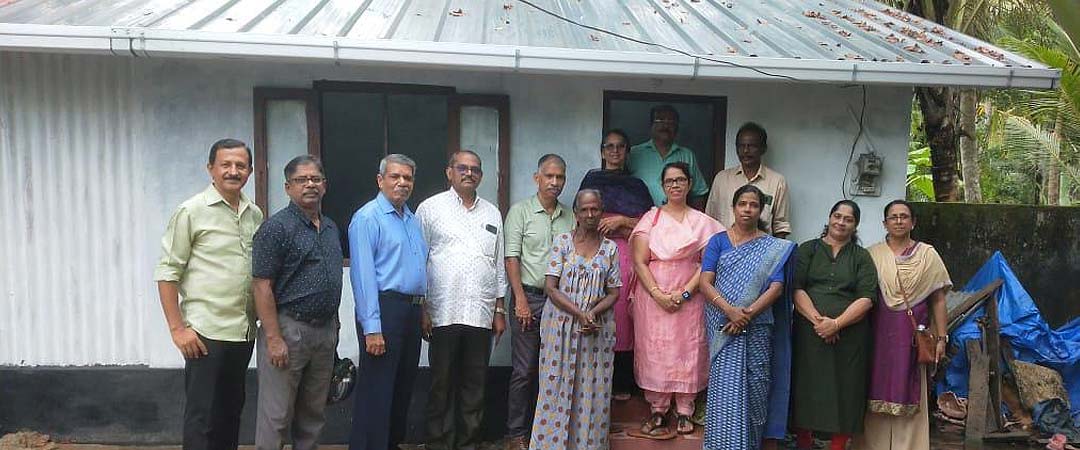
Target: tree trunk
1053,168
969,146
938,106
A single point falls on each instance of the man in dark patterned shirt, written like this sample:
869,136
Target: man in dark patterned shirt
296,267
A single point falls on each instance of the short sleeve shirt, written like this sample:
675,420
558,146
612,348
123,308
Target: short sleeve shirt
529,232
304,262
775,210
645,163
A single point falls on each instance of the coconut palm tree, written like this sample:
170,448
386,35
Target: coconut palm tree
1041,129
949,112
1035,135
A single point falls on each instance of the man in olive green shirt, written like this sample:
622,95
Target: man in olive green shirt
206,260
531,225
647,159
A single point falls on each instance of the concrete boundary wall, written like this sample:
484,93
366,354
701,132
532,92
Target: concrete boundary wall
1041,243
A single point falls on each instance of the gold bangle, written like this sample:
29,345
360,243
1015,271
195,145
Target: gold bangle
714,298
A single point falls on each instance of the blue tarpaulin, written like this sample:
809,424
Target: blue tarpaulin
1031,338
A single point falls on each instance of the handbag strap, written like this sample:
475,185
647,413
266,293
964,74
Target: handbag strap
907,303
903,294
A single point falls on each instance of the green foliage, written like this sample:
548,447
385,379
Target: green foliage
920,185
1021,133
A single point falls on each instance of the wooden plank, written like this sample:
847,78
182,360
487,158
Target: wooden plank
956,314
1008,436
992,344
978,393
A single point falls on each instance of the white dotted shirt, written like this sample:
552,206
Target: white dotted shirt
465,267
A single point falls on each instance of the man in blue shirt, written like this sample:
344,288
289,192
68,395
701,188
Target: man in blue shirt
388,271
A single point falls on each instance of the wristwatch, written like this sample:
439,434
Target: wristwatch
500,310
686,296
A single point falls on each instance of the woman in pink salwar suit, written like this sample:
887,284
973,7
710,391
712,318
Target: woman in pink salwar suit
670,346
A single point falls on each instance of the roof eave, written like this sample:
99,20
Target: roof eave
145,42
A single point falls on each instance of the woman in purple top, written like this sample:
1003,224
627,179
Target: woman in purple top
626,198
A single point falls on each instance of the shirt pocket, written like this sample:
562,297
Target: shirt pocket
530,240
488,241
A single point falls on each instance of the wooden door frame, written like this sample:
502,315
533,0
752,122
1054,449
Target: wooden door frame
262,96
719,119
500,103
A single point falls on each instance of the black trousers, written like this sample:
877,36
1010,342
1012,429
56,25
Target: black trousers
622,378
458,355
384,383
214,391
525,376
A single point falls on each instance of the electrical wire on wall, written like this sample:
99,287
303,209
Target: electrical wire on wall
854,143
862,112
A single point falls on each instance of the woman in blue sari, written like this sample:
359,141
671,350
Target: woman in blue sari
748,320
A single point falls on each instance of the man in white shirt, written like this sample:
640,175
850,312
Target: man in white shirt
463,312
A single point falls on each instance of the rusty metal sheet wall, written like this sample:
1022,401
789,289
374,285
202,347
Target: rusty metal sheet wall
73,285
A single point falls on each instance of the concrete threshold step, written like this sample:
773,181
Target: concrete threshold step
621,441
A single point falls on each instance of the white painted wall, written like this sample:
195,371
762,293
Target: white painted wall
163,115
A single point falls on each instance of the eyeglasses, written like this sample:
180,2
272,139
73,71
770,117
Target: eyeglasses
675,181
463,169
898,218
612,146
665,121
306,180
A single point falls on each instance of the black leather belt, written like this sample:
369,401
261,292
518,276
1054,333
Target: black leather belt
319,322
533,290
395,295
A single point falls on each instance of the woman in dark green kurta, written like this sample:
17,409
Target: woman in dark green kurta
835,281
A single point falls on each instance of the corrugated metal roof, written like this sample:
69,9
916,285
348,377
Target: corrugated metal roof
824,30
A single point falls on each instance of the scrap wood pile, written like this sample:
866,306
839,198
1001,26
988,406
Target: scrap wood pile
27,440
1009,376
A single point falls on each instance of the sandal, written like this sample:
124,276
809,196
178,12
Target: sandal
685,425
655,428
654,425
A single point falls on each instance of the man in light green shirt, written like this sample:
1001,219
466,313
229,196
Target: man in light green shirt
531,225
647,159
206,260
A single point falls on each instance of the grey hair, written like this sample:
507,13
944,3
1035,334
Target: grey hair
550,157
396,158
577,197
